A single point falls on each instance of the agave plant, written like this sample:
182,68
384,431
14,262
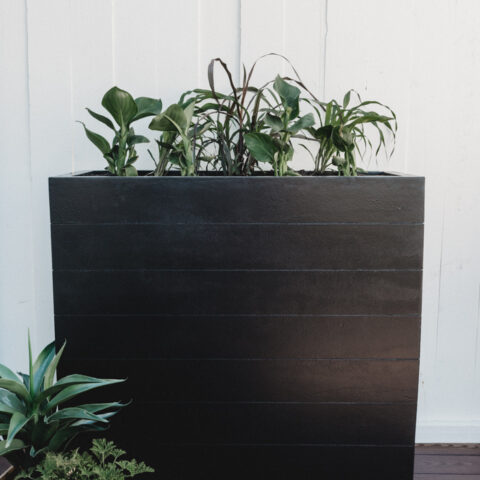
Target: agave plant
33,418
121,154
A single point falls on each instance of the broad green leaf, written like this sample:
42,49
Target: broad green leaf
17,422
74,413
40,366
261,146
120,105
6,373
15,387
74,390
106,121
302,123
52,368
100,142
16,444
147,107
135,139
165,122
4,408
346,99
289,94
188,114
274,122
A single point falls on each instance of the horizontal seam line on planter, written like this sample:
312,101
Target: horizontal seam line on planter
249,315
200,269
169,224
193,402
251,359
269,445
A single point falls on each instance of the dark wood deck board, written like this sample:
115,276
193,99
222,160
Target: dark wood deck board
452,462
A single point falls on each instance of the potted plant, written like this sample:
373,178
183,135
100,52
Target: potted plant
37,413
269,317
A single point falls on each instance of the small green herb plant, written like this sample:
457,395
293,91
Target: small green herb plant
121,154
103,462
33,419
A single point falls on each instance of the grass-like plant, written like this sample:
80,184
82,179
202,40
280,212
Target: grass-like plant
33,418
103,462
121,154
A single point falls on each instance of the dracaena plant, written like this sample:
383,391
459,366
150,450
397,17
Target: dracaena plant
33,418
285,122
342,134
120,154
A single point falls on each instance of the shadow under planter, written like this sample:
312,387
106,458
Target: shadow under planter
269,327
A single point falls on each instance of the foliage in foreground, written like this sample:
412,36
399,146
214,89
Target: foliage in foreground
247,129
104,462
32,417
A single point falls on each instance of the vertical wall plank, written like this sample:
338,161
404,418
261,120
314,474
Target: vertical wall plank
91,75
17,300
51,123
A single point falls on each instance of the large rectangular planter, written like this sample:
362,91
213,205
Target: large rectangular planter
269,327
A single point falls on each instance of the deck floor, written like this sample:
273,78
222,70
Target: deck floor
447,462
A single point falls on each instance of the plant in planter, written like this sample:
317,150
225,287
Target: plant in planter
33,418
103,462
237,288
121,154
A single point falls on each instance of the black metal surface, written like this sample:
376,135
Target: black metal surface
269,327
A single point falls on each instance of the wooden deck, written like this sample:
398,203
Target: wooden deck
447,462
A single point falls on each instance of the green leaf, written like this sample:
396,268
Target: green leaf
274,122
74,390
98,407
76,413
289,94
130,171
346,99
40,366
106,121
15,387
14,445
135,139
121,106
17,422
5,372
52,368
4,408
147,107
61,437
10,401
261,146
302,123
165,122
100,142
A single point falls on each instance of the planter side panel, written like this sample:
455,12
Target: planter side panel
272,325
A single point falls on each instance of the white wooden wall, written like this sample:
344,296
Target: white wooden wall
422,57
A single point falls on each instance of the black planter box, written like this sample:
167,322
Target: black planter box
269,327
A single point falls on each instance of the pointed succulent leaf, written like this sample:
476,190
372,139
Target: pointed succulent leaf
121,106
106,121
135,139
98,407
167,121
17,422
100,142
16,444
147,107
10,400
52,368
74,390
261,146
6,373
72,413
40,366
15,387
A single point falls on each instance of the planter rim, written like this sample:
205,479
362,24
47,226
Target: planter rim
370,174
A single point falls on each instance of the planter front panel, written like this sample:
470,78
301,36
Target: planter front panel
269,328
